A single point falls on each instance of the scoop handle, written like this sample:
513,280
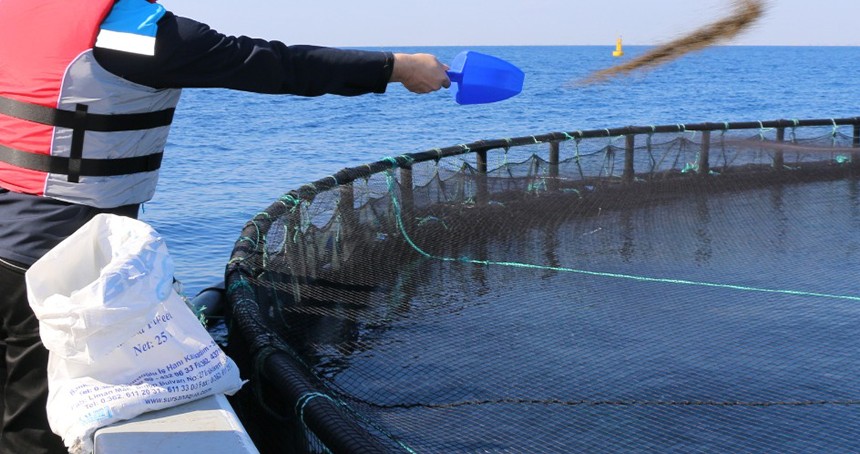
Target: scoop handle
455,76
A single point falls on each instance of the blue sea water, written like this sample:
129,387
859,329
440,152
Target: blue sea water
231,154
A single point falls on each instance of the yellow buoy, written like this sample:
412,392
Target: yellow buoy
618,52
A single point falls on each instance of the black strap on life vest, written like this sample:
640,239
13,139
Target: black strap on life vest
80,121
92,122
87,167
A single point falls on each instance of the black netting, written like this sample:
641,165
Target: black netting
686,288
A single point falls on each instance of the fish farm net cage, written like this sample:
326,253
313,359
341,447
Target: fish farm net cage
687,288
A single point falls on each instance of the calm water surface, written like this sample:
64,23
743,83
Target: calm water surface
231,154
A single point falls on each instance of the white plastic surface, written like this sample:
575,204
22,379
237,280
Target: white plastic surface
208,425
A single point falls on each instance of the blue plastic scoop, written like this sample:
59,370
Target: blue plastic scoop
482,78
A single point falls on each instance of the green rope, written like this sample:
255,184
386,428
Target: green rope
397,212
291,200
834,134
578,159
303,401
300,409
762,131
649,146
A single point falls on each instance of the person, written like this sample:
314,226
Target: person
87,93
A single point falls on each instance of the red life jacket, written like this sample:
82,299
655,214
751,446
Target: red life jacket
69,129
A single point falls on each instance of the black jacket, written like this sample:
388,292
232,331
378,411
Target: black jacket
190,54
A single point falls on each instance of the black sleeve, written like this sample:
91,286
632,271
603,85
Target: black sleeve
189,54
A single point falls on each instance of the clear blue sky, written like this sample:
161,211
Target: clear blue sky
517,22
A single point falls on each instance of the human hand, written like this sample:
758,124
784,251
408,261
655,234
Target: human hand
420,73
